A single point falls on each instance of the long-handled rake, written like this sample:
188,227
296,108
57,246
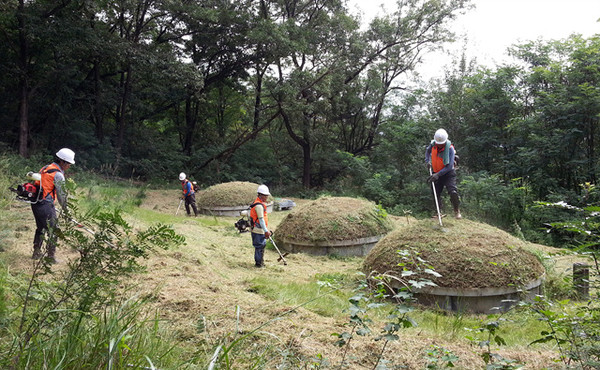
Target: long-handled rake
281,256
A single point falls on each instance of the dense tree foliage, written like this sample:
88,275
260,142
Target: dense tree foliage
147,88
296,94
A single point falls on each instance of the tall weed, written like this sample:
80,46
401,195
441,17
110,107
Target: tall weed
51,306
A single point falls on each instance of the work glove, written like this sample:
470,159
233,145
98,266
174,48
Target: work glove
267,234
433,178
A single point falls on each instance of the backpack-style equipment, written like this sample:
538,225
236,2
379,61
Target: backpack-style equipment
32,191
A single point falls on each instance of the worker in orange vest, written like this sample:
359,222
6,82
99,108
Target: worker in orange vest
441,156
259,224
189,195
52,186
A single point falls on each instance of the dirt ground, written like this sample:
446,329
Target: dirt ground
210,277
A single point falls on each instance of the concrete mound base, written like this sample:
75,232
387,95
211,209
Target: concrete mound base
478,300
229,211
345,248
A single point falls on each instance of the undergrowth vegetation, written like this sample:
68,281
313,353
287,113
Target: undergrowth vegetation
84,316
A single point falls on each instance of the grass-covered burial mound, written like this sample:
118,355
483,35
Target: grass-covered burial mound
333,225
227,199
473,259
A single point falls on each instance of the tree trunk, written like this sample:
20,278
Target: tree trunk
306,165
191,119
258,97
23,84
97,116
23,117
122,109
304,142
591,152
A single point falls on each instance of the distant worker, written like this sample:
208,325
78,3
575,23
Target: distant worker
52,186
440,156
189,195
259,224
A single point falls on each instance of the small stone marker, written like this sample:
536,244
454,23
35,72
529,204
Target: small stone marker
581,280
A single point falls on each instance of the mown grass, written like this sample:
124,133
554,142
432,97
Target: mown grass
130,325
152,216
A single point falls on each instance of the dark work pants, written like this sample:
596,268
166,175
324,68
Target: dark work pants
190,200
45,217
449,181
259,242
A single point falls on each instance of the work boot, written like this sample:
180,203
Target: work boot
455,204
51,251
51,260
37,253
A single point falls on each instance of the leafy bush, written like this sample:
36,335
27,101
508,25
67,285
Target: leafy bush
62,312
575,327
489,199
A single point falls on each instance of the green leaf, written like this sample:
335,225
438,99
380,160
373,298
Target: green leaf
432,272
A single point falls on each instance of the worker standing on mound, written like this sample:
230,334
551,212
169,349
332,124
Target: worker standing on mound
259,225
188,194
440,156
52,186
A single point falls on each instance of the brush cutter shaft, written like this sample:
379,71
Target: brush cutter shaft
181,201
437,205
90,231
281,257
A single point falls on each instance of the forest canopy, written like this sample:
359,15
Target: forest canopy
298,95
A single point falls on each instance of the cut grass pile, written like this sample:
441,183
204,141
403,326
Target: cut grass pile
467,254
334,218
229,194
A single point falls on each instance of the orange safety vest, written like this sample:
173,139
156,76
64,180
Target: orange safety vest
47,183
184,185
253,214
437,158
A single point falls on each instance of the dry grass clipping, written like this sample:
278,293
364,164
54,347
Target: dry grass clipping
229,194
468,255
334,218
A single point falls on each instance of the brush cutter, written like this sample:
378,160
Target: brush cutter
79,225
281,256
437,205
181,201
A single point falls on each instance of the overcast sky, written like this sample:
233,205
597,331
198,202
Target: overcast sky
494,25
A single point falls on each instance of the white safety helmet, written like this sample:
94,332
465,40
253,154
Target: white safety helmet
441,136
66,155
182,176
263,189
